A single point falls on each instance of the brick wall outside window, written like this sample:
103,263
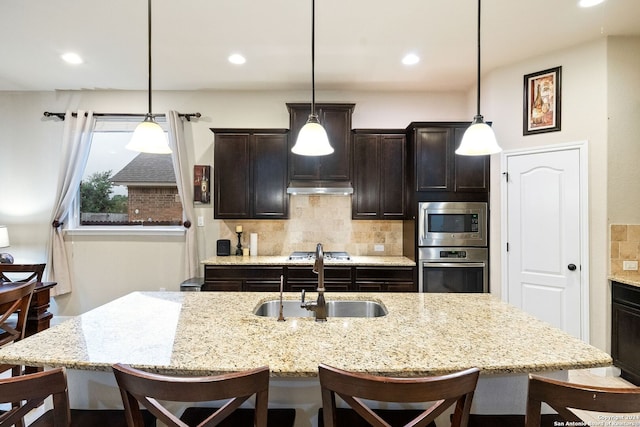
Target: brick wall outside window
154,204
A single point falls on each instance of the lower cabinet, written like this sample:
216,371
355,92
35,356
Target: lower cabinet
242,278
297,278
384,279
625,330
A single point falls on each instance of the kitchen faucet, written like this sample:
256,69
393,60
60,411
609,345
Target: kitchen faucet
319,307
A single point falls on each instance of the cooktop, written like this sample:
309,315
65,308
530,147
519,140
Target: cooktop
328,256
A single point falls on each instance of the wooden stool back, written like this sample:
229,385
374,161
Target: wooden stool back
563,396
27,392
14,299
445,390
140,387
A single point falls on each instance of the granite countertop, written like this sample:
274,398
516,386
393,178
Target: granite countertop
633,281
382,261
214,332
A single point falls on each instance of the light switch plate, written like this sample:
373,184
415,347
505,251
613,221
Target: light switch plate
200,221
630,265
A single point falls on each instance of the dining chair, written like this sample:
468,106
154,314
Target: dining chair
140,387
21,272
564,397
437,392
27,392
14,307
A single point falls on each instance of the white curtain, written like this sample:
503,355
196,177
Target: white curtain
76,143
184,181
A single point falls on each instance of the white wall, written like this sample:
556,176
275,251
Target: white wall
106,267
584,117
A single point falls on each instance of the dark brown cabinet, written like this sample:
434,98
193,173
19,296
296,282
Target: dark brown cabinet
250,174
336,279
385,279
336,119
379,159
242,278
625,330
436,167
258,278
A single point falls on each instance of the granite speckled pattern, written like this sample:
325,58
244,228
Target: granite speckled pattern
626,280
215,332
382,261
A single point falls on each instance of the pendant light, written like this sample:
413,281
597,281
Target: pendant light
149,137
478,139
312,138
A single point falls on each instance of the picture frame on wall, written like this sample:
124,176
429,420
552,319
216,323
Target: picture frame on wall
542,101
201,184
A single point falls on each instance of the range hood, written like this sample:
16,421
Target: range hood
329,188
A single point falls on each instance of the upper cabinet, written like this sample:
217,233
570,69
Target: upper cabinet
378,174
336,119
434,166
250,174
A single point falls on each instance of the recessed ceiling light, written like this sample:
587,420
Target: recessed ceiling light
72,58
589,3
410,59
237,59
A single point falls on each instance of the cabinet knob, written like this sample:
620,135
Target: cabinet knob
571,267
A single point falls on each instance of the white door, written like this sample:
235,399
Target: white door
545,237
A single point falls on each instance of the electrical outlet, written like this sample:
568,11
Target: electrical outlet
630,265
378,248
200,221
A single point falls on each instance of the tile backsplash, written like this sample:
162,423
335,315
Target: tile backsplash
625,246
318,219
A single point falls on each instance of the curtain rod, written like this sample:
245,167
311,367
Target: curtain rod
187,116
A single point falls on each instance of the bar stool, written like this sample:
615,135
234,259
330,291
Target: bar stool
140,387
352,387
564,397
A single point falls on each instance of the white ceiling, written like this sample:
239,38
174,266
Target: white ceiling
359,43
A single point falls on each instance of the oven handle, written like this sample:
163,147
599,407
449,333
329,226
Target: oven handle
453,264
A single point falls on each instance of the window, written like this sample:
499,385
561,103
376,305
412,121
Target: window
124,188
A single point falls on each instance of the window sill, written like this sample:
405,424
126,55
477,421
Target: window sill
126,231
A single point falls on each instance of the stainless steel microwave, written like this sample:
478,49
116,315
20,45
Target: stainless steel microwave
452,224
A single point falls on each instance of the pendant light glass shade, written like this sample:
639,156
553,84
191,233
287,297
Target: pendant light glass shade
479,139
149,137
312,139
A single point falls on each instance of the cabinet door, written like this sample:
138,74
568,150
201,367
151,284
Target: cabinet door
433,159
392,176
365,202
337,122
269,159
471,172
231,176
625,341
336,119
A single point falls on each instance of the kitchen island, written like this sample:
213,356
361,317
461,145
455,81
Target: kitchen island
216,332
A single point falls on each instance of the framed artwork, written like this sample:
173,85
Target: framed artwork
542,101
201,183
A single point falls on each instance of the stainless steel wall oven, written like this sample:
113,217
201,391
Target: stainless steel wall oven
452,253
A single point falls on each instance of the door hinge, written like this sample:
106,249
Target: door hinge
507,246
506,176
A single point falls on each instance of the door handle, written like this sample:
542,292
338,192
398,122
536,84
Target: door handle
571,267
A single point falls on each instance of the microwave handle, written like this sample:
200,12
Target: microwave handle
453,264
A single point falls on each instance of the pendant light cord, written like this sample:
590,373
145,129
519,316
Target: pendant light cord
313,57
478,71
149,52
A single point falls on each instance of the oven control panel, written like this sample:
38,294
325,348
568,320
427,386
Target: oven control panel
453,254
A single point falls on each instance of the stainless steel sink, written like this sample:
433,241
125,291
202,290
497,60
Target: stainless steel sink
343,308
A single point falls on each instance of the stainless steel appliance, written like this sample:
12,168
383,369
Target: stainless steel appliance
452,247
311,256
453,269
452,224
